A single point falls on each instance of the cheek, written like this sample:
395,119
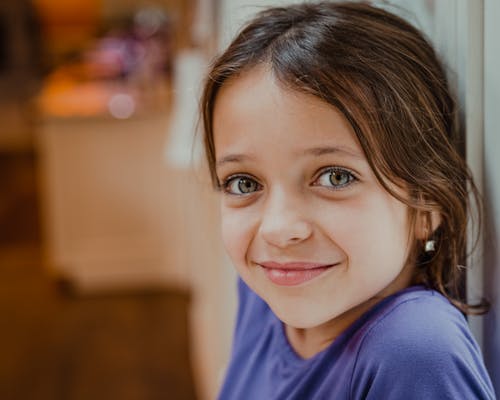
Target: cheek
371,230
236,232
386,242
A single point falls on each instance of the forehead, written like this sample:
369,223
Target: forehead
254,109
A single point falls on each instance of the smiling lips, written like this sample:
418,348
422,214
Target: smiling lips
294,273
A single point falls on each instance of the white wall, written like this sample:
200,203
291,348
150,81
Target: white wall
492,185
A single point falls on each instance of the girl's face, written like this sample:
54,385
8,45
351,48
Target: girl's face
304,220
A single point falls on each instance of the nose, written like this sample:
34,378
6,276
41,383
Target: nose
284,222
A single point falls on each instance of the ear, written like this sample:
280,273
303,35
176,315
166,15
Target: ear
427,222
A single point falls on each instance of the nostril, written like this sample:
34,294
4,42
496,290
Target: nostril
287,234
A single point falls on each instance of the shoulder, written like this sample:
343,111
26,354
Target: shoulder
419,344
417,328
422,320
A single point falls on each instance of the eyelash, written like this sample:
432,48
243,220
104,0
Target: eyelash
226,184
351,177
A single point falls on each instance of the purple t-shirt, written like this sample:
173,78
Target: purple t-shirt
411,345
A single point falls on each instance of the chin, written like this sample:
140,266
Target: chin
300,319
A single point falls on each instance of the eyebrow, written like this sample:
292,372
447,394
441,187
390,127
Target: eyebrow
232,158
322,150
313,151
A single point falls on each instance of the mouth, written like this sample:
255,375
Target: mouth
294,273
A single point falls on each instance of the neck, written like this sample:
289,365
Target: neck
308,342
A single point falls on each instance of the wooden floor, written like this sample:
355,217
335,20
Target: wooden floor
57,345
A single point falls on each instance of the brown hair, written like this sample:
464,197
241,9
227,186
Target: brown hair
386,79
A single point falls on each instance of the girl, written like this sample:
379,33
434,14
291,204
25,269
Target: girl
330,133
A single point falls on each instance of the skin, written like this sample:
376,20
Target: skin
281,202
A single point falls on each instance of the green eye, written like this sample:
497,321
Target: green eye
241,185
335,178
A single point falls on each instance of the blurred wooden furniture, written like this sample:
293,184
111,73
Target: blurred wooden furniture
105,201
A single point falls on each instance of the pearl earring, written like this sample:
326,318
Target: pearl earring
430,245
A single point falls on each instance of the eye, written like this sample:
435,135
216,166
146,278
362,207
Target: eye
240,185
335,178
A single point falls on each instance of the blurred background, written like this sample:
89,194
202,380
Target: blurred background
113,283
108,230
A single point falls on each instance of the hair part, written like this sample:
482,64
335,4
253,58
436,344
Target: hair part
382,74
